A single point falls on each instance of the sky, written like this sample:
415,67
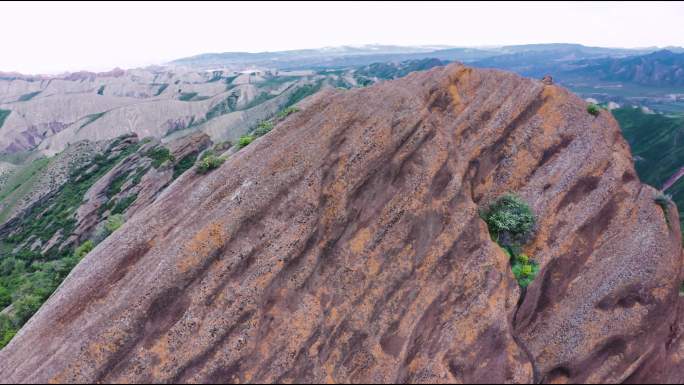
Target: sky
55,37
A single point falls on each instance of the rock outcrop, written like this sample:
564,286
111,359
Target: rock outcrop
346,246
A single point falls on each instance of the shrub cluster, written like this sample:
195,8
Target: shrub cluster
511,223
245,141
114,223
159,156
209,161
36,283
510,220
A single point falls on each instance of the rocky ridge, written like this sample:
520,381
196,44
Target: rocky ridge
346,246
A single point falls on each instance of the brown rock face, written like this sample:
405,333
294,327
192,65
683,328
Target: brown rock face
346,246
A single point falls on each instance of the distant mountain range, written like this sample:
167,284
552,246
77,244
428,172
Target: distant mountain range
607,74
662,68
354,56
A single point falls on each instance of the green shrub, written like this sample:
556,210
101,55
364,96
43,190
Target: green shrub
100,91
209,161
5,297
122,205
264,128
510,220
84,249
7,330
114,223
159,156
184,164
26,307
287,112
511,223
524,269
593,109
116,184
245,141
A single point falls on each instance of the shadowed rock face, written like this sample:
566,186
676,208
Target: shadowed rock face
346,246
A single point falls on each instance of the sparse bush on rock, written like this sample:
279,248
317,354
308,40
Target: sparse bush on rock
209,161
511,223
245,141
593,109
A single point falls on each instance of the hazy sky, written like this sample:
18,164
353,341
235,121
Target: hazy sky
54,37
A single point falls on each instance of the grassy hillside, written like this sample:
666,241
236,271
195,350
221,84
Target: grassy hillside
19,184
28,276
657,143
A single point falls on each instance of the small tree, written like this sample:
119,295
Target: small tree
511,223
510,220
593,109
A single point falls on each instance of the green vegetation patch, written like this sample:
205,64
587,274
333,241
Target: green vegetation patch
510,220
264,128
302,92
116,184
30,276
100,91
114,223
245,141
511,223
229,104
209,161
3,116
29,96
32,285
655,141
161,89
184,164
593,109
187,96
19,184
287,112
91,118
159,156
122,205
524,269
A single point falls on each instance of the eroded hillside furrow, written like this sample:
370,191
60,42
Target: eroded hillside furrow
347,246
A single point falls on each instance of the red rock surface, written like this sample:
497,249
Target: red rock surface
346,246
